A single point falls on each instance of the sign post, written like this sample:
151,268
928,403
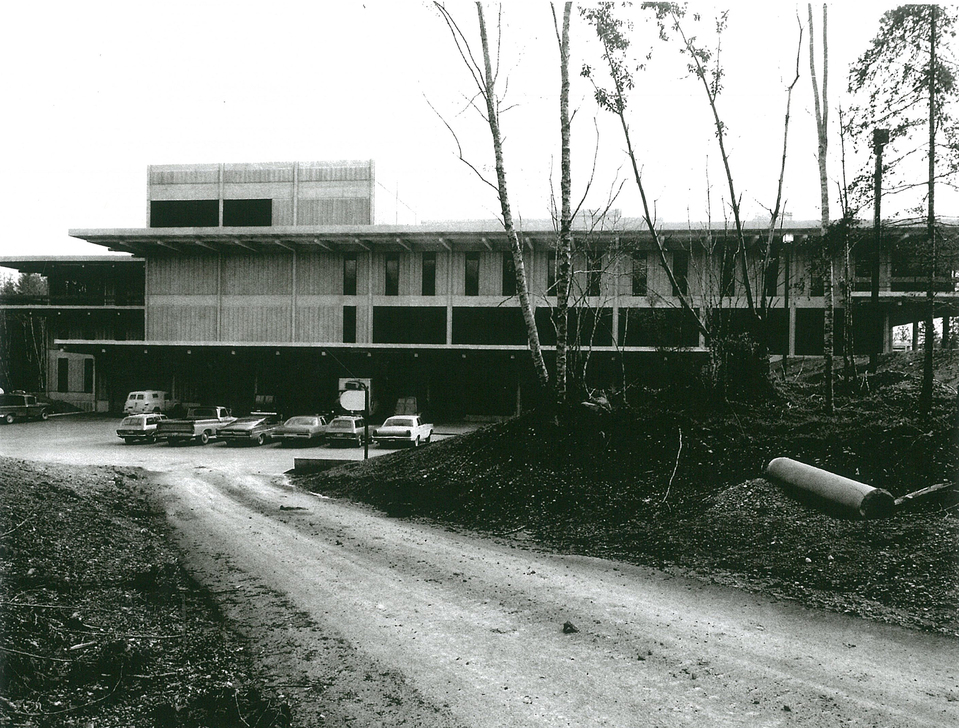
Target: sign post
356,398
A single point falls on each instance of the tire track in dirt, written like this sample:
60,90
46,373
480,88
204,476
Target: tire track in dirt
470,630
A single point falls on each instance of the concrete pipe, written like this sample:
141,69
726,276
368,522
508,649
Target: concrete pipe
849,495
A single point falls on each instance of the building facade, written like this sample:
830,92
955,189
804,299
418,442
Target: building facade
271,280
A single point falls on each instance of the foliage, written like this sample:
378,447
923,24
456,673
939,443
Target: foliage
890,85
26,284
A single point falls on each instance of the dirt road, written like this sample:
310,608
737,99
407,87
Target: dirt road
375,621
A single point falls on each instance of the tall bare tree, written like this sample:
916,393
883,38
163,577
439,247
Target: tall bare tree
484,78
822,131
565,242
703,65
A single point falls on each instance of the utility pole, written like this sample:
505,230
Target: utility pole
880,137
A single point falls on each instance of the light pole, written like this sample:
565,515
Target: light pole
880,137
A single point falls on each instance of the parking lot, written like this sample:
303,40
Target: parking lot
88,439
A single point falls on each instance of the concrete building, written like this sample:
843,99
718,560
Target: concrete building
270,279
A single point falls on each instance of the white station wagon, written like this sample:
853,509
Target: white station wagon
139,428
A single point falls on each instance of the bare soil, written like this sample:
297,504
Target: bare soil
102,624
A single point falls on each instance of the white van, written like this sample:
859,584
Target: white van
148,400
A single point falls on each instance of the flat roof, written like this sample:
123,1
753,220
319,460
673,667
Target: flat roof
39,263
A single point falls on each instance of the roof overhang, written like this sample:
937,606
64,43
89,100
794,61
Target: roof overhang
43,263
462,236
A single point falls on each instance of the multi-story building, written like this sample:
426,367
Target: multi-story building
270,279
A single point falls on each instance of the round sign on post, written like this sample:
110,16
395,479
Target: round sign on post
353,400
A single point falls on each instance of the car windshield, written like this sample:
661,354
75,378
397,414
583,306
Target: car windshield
344,424
129,421
301,421
399,422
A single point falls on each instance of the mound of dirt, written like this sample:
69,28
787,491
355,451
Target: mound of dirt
675,484
98,621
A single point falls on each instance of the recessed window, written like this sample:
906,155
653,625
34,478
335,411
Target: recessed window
349,274
681,272
247,213
640,274
594,273
184,213
392,274
509,275
471,283
429,274
349,324
727,280
772,272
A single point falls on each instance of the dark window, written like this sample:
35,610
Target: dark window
551,273
640,274
409,324
247,213
429,274
659,327
184,213
349,274
817,285
727,278
509,275
349,324
681,272
392,274
481,325
88,375
471,285
594,273
63,374
772,272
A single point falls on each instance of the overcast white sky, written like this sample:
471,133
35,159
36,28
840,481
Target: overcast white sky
96,91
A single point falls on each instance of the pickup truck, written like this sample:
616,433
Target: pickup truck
201,423
20,406
403,429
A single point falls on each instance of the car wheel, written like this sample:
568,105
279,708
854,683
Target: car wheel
8,418
151,439
260,439
44,415
429,438
416,442
204,438
129,440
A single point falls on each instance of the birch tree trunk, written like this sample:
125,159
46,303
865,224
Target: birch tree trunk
565,242
822,118
522,288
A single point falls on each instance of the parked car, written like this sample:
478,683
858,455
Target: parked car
148,400
403,430
21,406
309,429
139,428
346,428
201,424
255,429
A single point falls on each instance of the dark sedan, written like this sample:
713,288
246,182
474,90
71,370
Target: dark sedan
305,429
255,429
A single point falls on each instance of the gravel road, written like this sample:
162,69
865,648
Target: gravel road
365,620
379,620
